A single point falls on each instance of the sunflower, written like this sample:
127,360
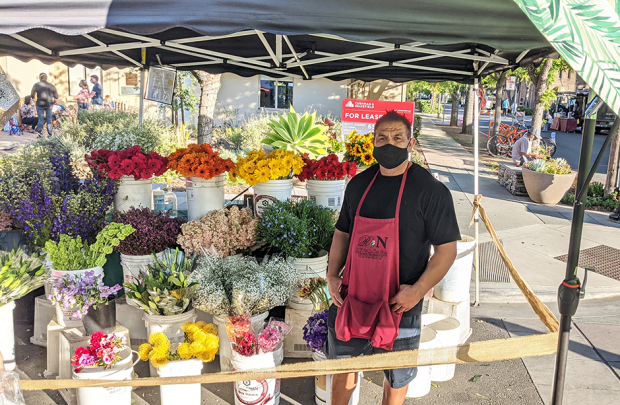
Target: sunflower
367,158
263,174
357,150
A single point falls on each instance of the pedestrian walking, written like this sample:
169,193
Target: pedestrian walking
46,96
385,252
84,96
505,107
97,99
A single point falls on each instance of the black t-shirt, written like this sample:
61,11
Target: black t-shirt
45,92
426,214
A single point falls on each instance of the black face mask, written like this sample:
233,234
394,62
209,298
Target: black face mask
390,156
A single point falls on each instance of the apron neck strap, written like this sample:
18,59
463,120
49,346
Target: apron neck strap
400,192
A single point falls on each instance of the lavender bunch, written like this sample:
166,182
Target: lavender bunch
315,331
81,292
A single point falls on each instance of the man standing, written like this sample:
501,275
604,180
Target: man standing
98,97
47,96
391,215
522,149
505,106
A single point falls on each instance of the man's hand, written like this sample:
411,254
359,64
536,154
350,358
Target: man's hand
406,298
334,283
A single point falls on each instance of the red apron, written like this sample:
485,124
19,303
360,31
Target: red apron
371,278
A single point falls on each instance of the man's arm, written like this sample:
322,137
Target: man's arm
337,259
409,295
33,91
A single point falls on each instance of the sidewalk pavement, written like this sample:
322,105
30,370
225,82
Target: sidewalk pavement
533,235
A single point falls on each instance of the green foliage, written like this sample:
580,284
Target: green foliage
569,199
165,288
150,135
20,274
528,111
551,166
426,107
298,134
596,189
335,146
417,126
297,230
76,254
418,158
595,198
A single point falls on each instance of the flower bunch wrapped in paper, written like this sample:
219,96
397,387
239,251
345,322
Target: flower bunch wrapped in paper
128,162
199,161
258,167
201,342
315,331
103,351
248,342
359,149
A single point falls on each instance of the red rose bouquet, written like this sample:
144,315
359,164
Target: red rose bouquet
103,351
327,168
128,162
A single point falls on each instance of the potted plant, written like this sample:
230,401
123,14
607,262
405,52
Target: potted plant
546,181
301,135
155,232
135,170
325,180
88,298
19,274
200,346
220,233
204,171
359,150
235,285
302,233
271,175
75,256
107,357
256,349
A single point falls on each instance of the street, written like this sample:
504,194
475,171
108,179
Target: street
569,144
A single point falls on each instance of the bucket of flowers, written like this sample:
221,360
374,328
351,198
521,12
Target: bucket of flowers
220,233
72,258
155,232
135,170
271,175
234,286
107,357
200,346
256,349
204,171
325,180
359,150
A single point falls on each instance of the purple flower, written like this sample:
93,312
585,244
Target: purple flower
315,331
81,292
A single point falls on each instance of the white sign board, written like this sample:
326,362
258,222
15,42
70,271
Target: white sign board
511,82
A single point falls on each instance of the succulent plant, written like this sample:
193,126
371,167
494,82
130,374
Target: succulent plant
298,134
537,165
20,274
164,288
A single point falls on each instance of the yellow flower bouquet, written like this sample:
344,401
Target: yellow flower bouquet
359,149
201,342
258,167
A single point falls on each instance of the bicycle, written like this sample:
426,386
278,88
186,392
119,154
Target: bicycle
501,145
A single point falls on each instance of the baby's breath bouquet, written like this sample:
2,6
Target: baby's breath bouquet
240,285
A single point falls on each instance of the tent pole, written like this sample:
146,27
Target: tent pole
476,191
568,294
141,114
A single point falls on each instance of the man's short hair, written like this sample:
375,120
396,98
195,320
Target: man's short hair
393,116
42,75
95,76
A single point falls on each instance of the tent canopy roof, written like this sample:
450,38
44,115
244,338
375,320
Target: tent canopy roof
360,39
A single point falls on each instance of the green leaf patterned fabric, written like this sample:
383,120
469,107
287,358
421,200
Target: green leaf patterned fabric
587,34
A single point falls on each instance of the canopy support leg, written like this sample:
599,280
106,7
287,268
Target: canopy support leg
476,192
141,113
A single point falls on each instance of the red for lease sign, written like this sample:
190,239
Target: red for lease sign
361,115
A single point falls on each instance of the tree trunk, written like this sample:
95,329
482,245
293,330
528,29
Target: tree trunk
499,98
454,114
209,87
468,115
612,167
541,86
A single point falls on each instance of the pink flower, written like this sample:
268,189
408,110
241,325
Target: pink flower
108,358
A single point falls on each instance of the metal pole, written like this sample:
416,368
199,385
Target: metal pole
141,114
585,156
476,191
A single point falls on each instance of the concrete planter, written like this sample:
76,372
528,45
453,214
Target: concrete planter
545,188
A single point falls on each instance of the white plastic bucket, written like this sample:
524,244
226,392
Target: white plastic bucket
7,335
225,351
263,392
122,370
421,384
132,268
448,332
169,325
204,196
186,394
64,315
265,194
133,193
309,268
454,287
327,193
323,384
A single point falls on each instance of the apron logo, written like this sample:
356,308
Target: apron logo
372,241
371,247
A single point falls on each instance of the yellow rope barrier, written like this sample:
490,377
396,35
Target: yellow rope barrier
484,351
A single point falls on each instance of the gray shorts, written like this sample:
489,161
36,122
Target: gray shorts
408,339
